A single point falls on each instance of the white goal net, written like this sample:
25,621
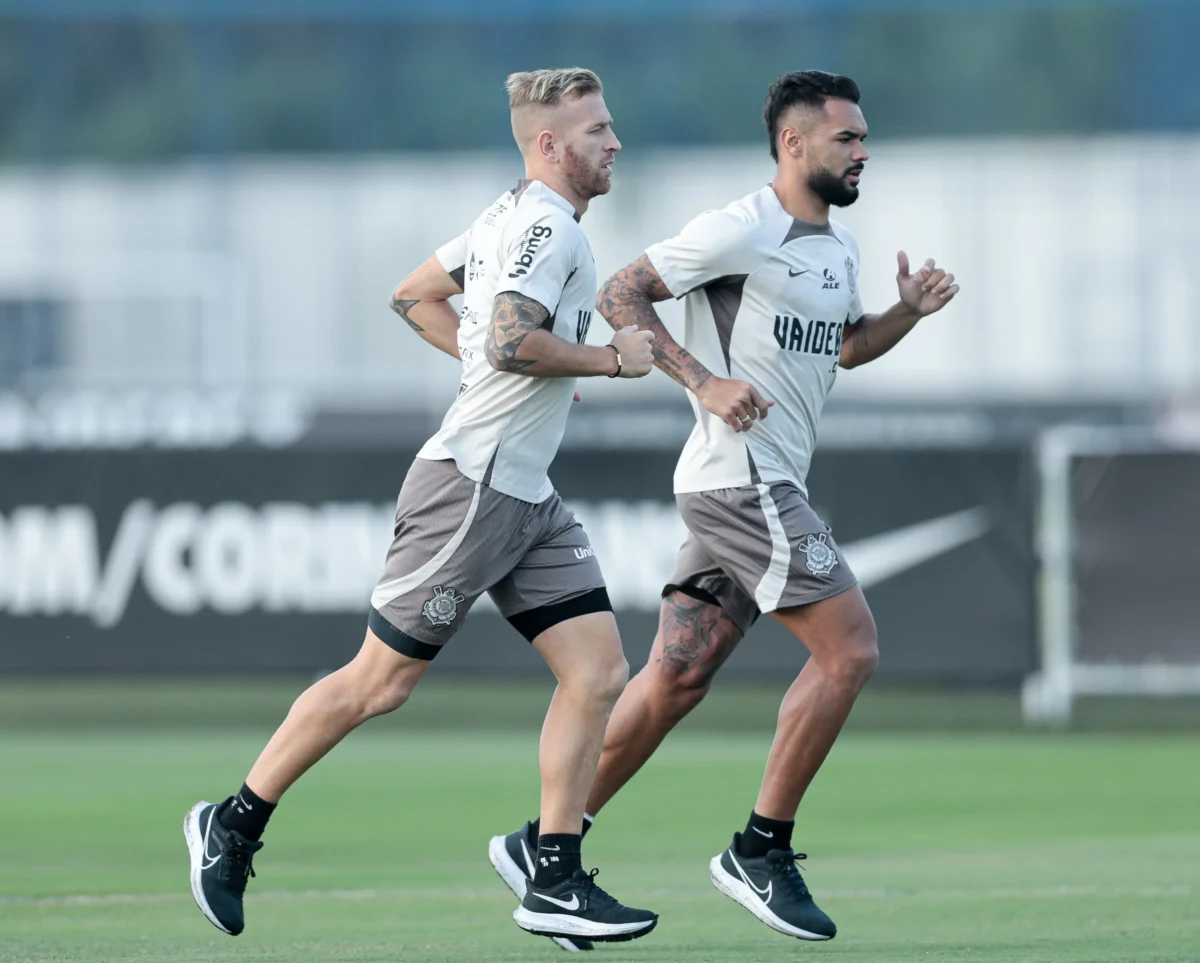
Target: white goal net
1118,533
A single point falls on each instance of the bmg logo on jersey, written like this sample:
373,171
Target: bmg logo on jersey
533,240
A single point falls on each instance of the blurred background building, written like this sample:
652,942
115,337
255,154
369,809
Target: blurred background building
206,203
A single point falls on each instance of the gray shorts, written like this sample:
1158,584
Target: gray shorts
456,539
756,549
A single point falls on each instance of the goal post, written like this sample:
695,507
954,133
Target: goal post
1118,542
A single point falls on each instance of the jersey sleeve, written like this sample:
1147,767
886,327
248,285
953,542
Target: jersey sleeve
540,260
714,245
453,257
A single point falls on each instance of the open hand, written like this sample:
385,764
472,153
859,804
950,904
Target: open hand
927,291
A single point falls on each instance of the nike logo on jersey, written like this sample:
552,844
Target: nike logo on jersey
572,904
796,274
765,894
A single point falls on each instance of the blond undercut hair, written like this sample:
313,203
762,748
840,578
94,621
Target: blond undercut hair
548,88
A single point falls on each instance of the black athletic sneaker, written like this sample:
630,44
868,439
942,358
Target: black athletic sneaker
773,890
576,906
512,857
221,861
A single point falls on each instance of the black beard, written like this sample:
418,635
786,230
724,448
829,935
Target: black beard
832,189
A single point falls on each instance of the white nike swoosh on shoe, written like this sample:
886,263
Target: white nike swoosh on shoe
572,904
209,861
765,894
881,557
528,860
761,833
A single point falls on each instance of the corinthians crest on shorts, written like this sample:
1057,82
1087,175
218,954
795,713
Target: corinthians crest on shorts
442,609
820,556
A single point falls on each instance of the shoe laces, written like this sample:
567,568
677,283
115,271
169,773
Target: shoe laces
237,862
595,895
785,864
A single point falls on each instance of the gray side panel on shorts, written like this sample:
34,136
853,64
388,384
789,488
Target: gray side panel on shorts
559,564
455,539
695,569
769,542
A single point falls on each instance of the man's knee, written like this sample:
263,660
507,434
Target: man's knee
367,695
685,681
857,660
379,680
388,695
614,679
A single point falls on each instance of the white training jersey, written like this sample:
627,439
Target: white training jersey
766,299
504,429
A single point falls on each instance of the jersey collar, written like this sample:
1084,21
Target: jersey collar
541,190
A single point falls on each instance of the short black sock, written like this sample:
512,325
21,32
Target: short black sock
557,858
535,827
246,813
762,835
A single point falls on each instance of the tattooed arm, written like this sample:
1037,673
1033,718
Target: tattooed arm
519,341
421,300
628,298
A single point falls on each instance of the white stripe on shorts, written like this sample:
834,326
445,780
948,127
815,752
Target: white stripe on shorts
390,591
774,580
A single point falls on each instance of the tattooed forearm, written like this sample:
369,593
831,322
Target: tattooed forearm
667,358
402,306
514,318
628,298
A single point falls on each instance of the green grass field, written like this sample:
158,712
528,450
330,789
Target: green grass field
990,847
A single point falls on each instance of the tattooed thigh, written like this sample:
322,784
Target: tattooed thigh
696,637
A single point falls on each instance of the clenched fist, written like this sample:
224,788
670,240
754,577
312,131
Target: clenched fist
633,345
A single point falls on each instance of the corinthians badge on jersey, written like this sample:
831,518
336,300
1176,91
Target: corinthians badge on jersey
851,282
442,609
821,558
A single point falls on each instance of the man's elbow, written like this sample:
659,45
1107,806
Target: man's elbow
605,302
616,297
402,293
496,358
